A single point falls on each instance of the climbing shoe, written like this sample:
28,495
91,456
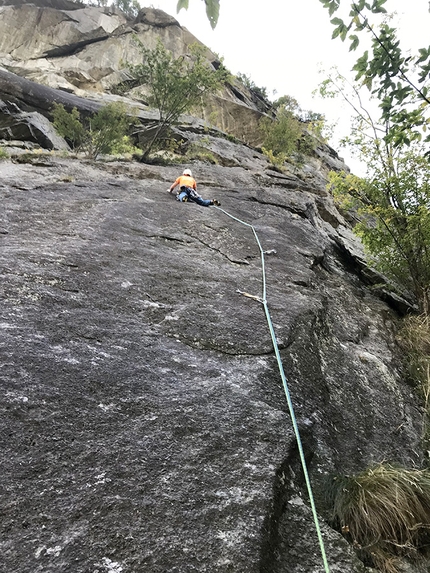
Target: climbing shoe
216,203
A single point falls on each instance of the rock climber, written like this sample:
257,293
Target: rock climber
188,190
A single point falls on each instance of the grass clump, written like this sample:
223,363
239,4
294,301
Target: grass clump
3,153
201,153
384,512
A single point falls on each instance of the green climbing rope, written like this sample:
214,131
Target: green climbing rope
287,392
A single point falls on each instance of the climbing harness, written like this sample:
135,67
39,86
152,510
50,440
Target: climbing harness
263,301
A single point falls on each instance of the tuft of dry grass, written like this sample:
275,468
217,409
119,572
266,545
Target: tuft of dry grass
384,512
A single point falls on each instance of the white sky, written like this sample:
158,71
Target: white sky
283,44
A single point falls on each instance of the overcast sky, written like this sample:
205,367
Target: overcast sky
283,44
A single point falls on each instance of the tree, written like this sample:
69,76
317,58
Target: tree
394,197
315,122
394,212
129,7
291,130
176,85
251,85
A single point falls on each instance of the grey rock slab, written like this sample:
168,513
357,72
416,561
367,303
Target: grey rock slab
144,426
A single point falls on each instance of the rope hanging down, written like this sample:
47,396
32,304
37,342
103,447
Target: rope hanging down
286,390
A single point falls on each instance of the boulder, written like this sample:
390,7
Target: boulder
30,127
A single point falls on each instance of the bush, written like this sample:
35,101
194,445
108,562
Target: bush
129,7
102,133
124,146
384,512
277,160
281,136
3,153
69,126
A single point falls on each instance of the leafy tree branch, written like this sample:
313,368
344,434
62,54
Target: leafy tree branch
394,78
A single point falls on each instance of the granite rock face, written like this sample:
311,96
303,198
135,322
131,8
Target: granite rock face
144,425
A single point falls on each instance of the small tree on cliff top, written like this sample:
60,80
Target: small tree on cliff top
129,7
176,85
293,130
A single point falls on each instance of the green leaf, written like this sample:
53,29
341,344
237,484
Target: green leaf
333,6
336,33
182,4
344,31
377,7
361,64
212,12
354,42
424,54
337,22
